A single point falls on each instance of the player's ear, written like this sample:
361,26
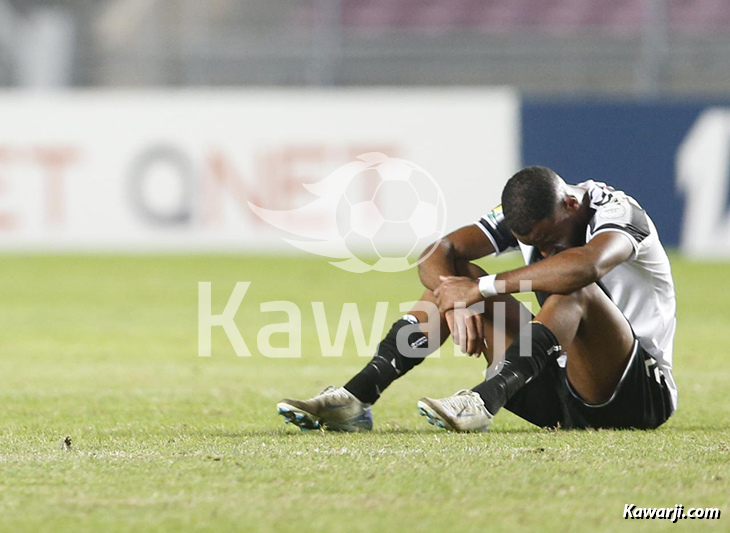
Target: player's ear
571,203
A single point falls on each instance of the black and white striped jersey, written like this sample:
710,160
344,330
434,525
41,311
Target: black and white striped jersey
642,287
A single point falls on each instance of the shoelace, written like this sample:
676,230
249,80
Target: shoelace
331,390
464,401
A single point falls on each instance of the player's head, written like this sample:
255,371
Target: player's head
541,210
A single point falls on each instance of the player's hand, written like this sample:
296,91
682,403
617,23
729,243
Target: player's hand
455,289
467,329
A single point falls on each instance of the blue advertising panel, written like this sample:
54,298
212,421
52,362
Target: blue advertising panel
632,145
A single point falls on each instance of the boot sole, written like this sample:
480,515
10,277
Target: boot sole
438,419
302,419
307,421
433,416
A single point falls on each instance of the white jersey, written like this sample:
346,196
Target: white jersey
641,287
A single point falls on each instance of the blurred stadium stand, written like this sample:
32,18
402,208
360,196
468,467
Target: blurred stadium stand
627,47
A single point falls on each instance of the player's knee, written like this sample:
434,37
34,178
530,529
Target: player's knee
575,299
580,298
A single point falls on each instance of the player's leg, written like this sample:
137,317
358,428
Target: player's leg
390,364
610,381
599,342
597,338
347,407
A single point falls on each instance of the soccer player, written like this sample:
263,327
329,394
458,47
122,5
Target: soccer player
598,354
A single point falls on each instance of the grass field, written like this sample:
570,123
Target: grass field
103,350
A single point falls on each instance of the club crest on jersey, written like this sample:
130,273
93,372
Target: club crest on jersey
613,211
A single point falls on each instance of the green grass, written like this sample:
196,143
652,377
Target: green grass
104,350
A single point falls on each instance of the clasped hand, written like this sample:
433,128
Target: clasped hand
468,326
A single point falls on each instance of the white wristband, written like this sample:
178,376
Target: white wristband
487,286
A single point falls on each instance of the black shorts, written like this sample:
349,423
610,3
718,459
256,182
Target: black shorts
642,399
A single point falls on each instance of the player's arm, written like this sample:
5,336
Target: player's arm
563,273
466,243
574,268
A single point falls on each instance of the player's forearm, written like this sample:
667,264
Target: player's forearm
462,245
564,273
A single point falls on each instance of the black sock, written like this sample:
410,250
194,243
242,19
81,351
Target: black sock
517,370
388,364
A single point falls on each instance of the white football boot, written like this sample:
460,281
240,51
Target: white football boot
334,409
464,411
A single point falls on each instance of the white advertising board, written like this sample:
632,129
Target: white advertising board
176,170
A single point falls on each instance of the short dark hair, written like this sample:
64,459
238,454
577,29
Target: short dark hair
529,197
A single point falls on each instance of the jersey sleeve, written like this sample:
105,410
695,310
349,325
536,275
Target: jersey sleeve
495,228
620,213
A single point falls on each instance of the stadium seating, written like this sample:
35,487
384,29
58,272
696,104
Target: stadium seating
539,46
618,16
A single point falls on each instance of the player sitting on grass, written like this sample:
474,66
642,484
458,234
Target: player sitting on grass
599,350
